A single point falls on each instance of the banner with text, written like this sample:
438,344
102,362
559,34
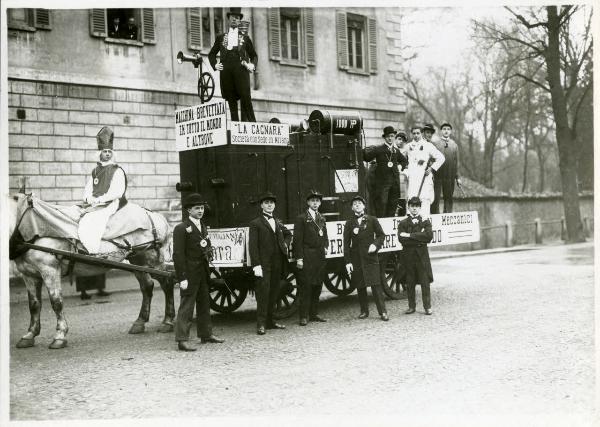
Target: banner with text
201,126
249,133
448,229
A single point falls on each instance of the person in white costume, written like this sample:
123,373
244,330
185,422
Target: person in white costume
423,157
104,193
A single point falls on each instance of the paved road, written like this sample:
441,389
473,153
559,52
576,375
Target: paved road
511,335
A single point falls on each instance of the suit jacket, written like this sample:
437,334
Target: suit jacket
308,245
190,255
449,169
245,49
414,248
264,243
383,155
357,239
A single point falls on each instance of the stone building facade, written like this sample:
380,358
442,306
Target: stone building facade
68,77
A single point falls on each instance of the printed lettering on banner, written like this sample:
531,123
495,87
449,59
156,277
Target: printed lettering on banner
256,133
201,126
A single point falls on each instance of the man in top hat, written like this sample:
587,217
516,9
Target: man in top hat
423,158
238,59
104,193
414,232
447,174
310,247
268,242
386,175
192,253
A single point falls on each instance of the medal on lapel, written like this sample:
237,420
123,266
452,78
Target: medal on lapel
96,181
321,233
390,164
203,243
355,230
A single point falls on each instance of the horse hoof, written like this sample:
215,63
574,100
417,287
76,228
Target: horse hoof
25,342
165,328
137,328
56,344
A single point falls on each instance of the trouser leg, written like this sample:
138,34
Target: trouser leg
392,199
233,110
437,191
362,300
426,295
203,321
273,289
378,297
410,293
263,285
315,293
448,195
425,208
247,110
185,314
382,204
304,294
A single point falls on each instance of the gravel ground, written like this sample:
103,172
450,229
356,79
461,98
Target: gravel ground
512,335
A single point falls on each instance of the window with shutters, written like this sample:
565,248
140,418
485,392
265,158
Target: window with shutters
291,36
356,43
124,26
204,24
29,19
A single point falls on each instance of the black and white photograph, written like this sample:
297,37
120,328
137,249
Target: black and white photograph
298,213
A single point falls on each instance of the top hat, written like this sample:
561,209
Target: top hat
402,134
446,124
414,201
193,199
105,138
388,130
235,11
429,127
314,193
359,197
267,196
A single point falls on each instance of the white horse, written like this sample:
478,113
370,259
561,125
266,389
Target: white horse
38,267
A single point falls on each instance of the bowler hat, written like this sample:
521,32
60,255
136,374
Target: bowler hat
192,200
359,197
446,124
314,193
402,134
267,196
388,130
235,11
414,201
104,138
428,126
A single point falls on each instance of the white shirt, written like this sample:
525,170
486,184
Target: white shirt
196,222
271,221
232,38
313,214
115,191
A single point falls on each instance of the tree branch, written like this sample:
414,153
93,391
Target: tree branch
524,21
529,79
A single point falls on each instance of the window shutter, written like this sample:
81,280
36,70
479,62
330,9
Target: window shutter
98,22
148,35
194,28
372,46
309,34
341,28
274,33
41,19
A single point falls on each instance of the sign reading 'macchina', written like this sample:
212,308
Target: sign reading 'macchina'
201,126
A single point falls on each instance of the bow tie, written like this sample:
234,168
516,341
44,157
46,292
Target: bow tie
268,216
359,215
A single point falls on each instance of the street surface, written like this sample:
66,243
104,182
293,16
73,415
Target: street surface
512,335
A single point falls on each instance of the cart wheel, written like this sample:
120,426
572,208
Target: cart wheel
287,303
394,276
225,297
337,281
206,87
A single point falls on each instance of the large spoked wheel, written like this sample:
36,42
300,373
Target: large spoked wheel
206,87
287,303
393,285
226,293
337,280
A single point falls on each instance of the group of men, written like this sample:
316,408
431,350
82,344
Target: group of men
431,167
128,31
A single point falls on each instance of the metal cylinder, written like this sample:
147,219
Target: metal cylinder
335,122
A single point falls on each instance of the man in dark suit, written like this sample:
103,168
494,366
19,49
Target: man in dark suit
310,247
414,233
238,60
191,255
363,237
131,30
386,175
445,177
268,242
115,29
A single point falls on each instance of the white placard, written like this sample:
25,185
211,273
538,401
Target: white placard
256,133
201,126
346,180
448,229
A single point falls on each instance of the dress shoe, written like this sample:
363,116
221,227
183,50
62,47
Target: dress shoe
213,339
363,315
318,318
385,317
275,326
102,293
428,311
184,346
85,295
260,330
303,322
410,311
